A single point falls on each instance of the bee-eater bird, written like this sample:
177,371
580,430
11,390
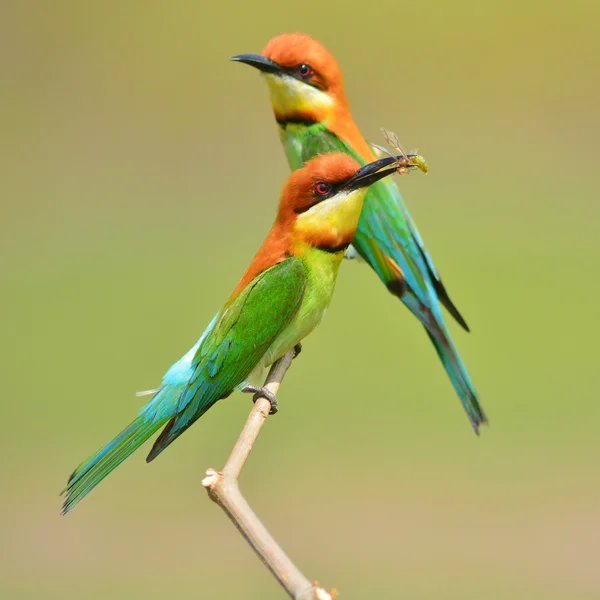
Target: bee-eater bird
307,93
280,299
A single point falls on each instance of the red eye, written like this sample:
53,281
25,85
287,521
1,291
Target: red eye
304,70
322,188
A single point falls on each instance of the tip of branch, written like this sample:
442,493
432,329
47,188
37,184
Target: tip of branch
212,478
322,594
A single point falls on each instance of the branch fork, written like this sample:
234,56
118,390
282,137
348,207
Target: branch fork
224,490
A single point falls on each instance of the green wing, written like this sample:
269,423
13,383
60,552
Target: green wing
244,331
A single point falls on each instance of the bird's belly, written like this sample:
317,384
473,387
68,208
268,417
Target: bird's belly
295,332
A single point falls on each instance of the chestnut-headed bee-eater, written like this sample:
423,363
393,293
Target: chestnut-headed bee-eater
280,299
312,112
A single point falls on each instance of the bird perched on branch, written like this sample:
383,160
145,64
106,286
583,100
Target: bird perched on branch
307,93
280,299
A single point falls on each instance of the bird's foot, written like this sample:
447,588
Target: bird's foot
297,349
262,392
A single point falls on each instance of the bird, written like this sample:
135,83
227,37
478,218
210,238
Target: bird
313,116
279,300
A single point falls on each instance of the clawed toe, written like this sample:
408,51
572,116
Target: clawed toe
263,392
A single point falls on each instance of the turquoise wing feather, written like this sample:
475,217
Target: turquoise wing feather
389,241
231,346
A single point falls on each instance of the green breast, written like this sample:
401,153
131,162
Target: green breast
302,142
321,274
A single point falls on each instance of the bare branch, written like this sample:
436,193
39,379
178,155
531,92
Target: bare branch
223,489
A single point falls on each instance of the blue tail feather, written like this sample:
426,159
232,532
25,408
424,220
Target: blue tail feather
92,471
458,376
151,418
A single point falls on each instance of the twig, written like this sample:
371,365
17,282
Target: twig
223,489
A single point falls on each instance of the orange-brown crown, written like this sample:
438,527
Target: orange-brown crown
299,193
293,49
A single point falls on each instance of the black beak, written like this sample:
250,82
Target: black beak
266,65
371,173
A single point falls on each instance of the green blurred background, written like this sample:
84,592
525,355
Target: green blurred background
140,172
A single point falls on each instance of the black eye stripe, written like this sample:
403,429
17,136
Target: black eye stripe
309,79
318,198
328,194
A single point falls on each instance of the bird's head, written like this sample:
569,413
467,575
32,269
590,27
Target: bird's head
322,201
304,79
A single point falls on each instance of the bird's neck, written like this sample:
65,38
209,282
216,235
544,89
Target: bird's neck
275,248
323,262
296,127
307,240
318,237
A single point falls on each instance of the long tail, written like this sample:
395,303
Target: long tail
458,375
433,321
91,472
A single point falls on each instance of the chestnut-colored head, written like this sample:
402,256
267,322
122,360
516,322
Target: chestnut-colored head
322,201
312,63
319,207
304,78
316,183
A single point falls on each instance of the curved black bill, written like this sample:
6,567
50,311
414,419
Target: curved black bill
262,63
371,173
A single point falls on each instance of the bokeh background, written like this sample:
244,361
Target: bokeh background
140,171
